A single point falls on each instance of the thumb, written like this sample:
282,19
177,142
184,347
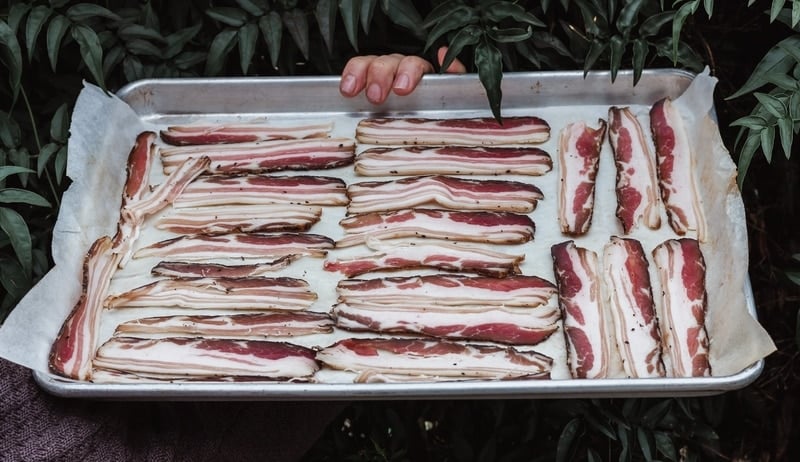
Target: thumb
456,67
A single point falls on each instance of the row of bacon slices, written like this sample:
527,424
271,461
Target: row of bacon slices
234,210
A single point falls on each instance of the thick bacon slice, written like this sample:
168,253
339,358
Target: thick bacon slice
262,189
676,170
258,293
579,156
583,311
206,359
71,353
178,269
453,160
180,135
266,156
140,161
682,270
637,190
256,245
434,358
443,191
632,307
467,292
441,256
471,131
240,219
244,326
485,227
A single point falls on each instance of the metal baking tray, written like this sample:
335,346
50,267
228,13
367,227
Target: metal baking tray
162,100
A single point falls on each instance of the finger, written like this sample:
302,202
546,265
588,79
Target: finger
409,73
456,67
380,77
354,75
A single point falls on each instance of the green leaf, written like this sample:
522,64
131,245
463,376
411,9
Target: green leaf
220,47
351,10
786,132
10,133
16,14
544,39
248,36
772,104
113,57
227,15
794,105
367,12
795,14
15,228
603,426
776,61
768,141
467,36
59,124
784,82
11,55
141,47
91,51
457,19
22,196
496,12
593,456
746,155
21,158
84,11
189,59
653,24
403,13
440,12
640,49
566,439
617,48
55,33
272,30
708,5
133,69
177,40
628,14
8,170
297,25
36,19
45,154
510,35
250,7
777,6
665,446
137,31
596,49
325,12
489,62
686,10
654,414
13,279
527,51
751,121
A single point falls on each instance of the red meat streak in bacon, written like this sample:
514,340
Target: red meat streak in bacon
182,135
239,246
452,131
580,147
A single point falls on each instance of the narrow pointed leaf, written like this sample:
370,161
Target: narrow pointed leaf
683,13
617,49
22,196
458,19
510,35
325,12
178,40
467,36
44,157
775,61
795,14
12,57
13,279
16,14
55,34
646,447
527,51
544,39
15,228
141,47
489,62
768,141
59,124
440,12
785,130
596,49
772,104
628,14
351,11
664,445
250,7
272,31
566,440
297,24
60,164
777,6
137,31
498,11
367,12
220,47
248,36
227,15
708,5
84,11
653,24
784,82
404,14
36,19
8,170
91,51
746,155
640,49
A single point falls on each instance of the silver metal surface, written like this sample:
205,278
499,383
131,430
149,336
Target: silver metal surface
450,93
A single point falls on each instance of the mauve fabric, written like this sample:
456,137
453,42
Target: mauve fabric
35,426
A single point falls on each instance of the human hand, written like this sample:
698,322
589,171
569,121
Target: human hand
379,75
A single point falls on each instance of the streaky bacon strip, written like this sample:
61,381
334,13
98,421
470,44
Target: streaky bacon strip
443,191
238,245
257,189
632,308
433,358
205,359
682,269
72,351
266,156
244,326
485,227
240,219
453,160
467,292
679,190
258,293
180,269
579,156
582,310
440,256
457,131
181,135
140,160
637,185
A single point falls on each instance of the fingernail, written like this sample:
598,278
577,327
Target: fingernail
348,84
402,82
374,93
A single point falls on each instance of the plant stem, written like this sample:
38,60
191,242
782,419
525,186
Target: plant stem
39,144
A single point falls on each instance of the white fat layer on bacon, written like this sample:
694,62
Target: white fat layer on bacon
194,134
401,161
247,189
244,326
432,132
201,247
240,218
578,169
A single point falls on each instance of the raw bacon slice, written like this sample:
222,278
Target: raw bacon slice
467,292
676,170
256,245
440,256
258,293
579,156
140,160
438,358
261,190
583,311
206,359
72,352
470,131
244,326
453,160
682,270
177,269
443,191
632,308
637,189
485,227
240,219
180,135
266,156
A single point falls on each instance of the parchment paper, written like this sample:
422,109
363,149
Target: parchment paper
104,128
